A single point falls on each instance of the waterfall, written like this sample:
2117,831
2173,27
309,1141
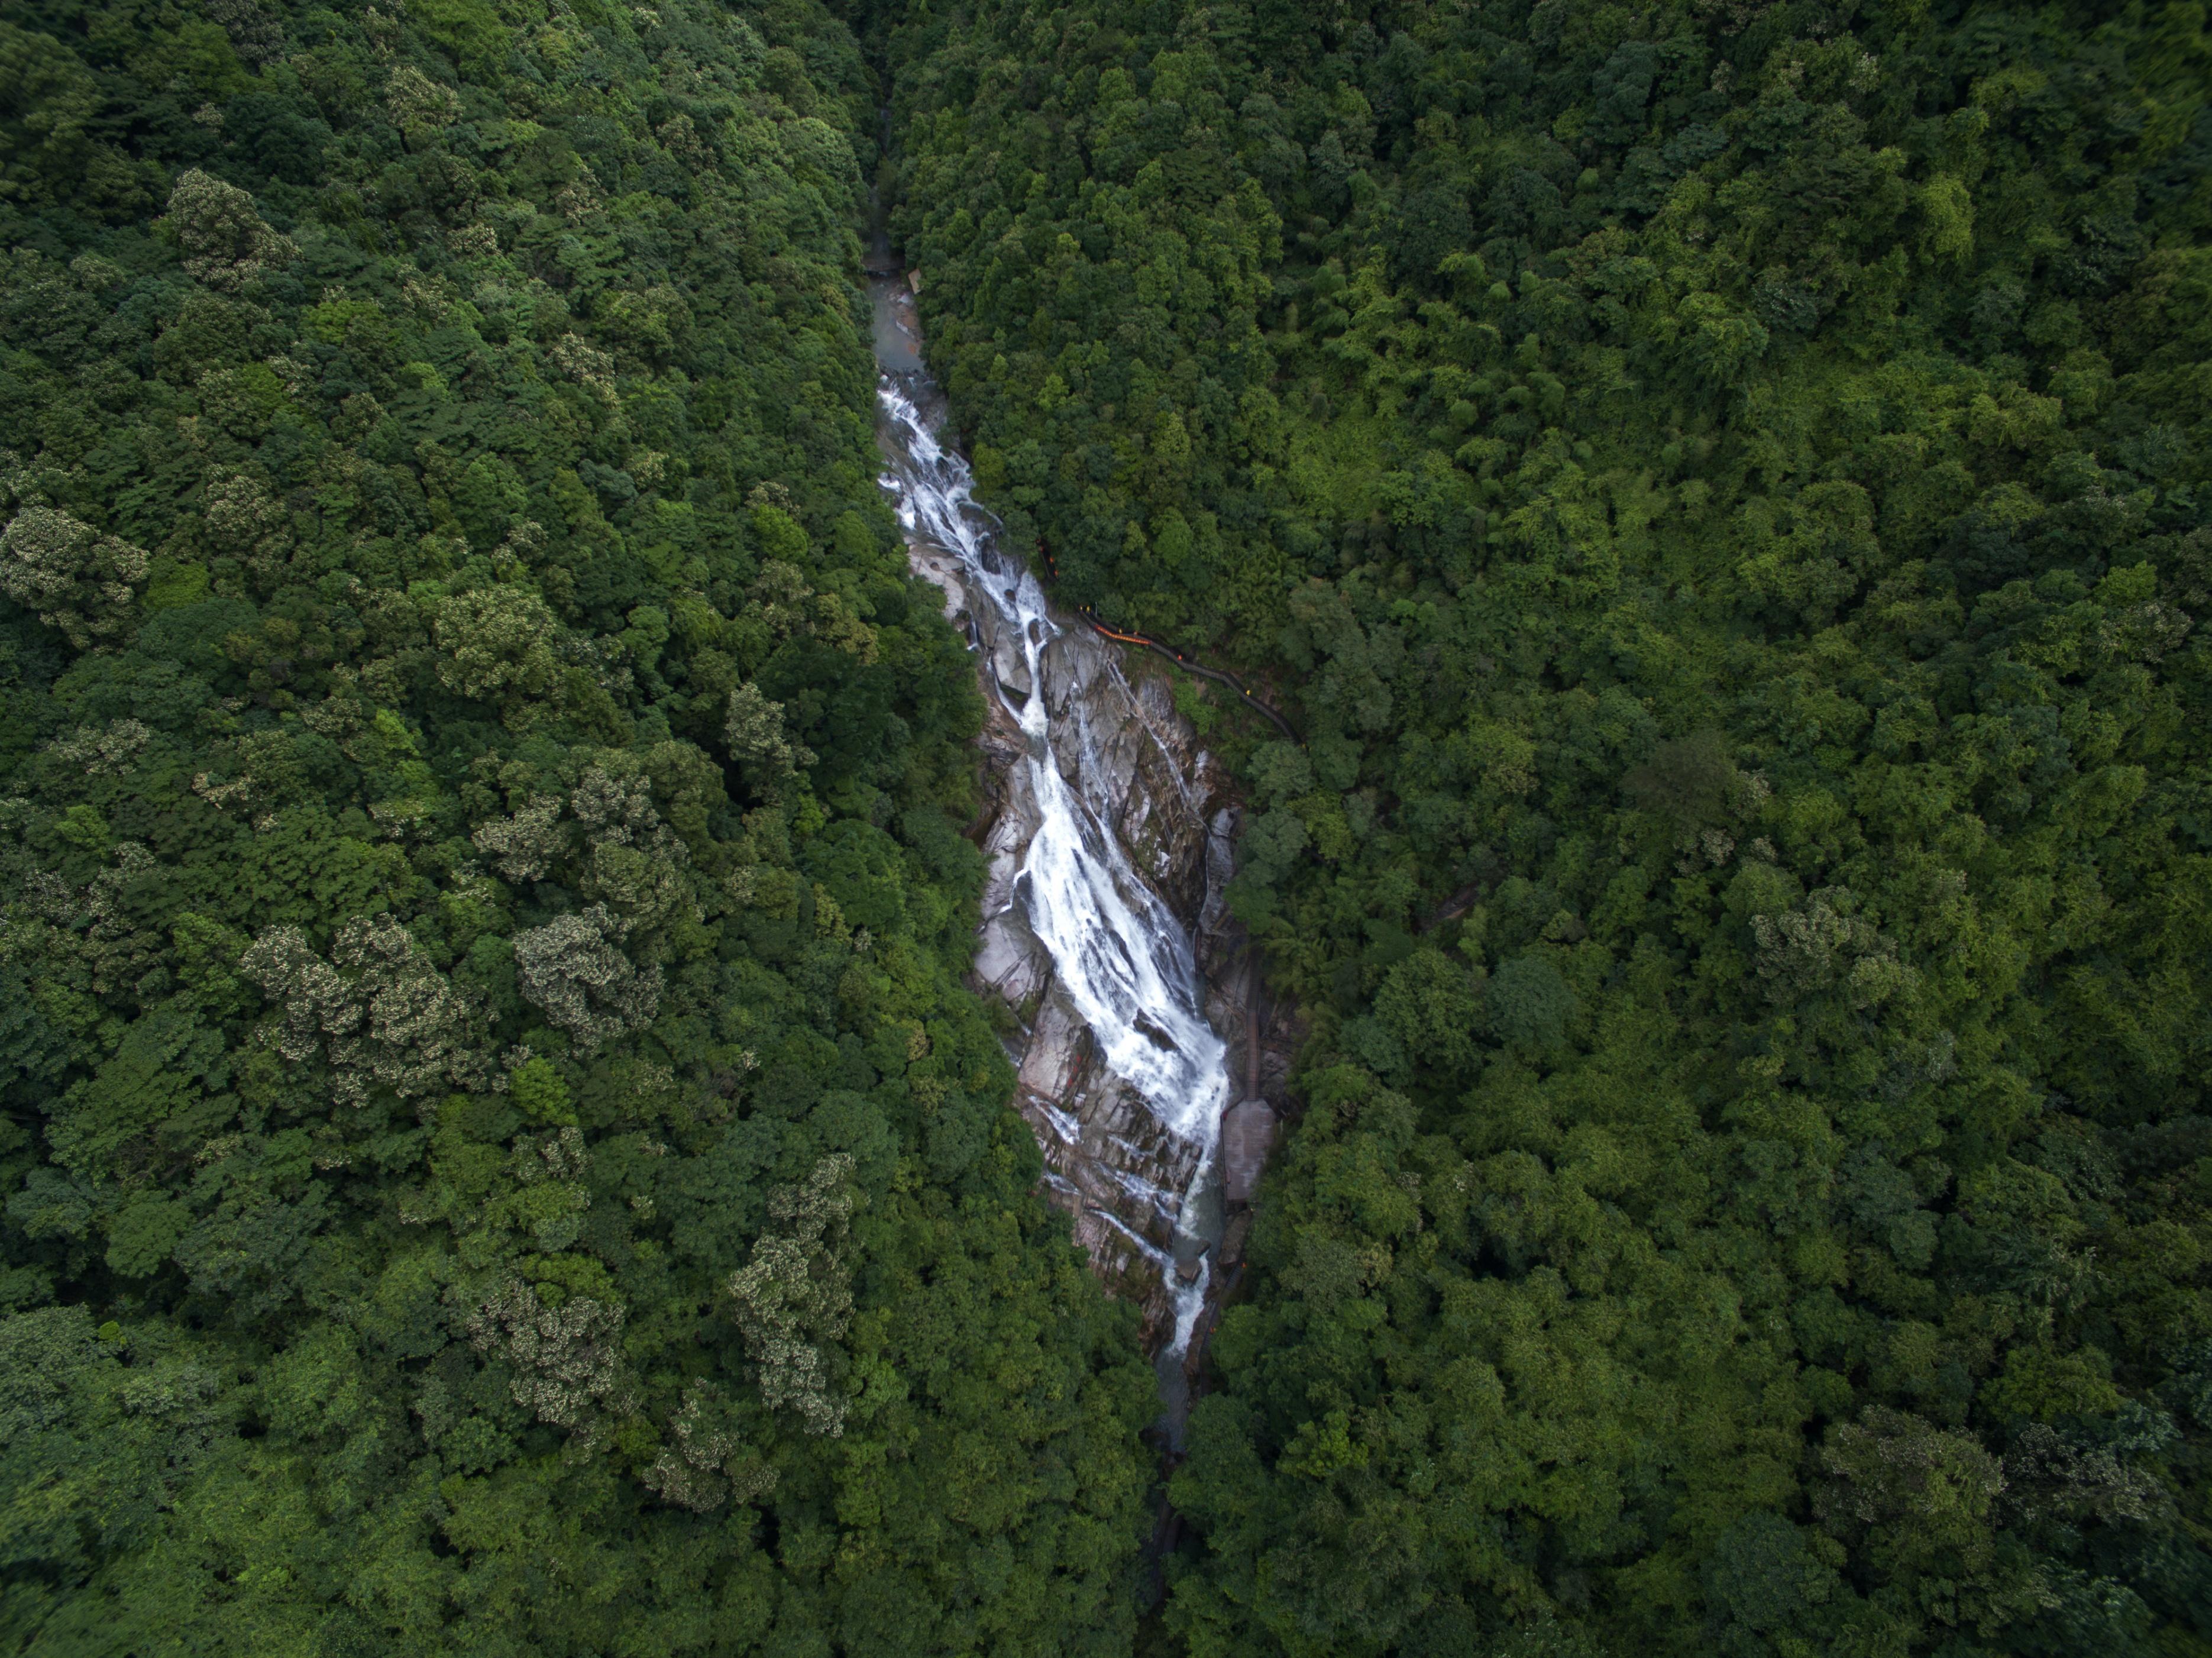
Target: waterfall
1120,955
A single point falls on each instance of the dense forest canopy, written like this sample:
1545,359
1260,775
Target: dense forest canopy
497,1155
1724,488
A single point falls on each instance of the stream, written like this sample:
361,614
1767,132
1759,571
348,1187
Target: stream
1109,849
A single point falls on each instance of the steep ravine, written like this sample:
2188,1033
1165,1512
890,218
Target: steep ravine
1109,831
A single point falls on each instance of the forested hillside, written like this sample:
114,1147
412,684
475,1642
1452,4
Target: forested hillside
497,1158
1724,486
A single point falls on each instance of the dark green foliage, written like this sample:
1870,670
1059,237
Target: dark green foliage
1725,487
497,1158
481,867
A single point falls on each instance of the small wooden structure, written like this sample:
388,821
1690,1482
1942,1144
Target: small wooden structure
1248,1133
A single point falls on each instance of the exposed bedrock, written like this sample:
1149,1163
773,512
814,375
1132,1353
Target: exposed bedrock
1108,830
1141,769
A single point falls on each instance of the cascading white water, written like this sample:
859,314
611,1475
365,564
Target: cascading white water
1123,958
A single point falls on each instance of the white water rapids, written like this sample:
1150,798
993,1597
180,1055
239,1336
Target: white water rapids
1119,952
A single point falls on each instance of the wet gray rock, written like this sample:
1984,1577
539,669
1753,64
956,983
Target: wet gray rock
1248,1134
1012,666
1010,963
1138,765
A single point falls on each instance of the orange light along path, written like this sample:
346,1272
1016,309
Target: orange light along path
1189,667
1176,656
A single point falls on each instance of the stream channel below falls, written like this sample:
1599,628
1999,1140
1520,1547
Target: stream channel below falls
1108,831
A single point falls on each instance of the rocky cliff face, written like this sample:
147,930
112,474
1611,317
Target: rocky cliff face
1139,764
1110,831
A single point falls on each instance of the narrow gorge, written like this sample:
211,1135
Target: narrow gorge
1136,1006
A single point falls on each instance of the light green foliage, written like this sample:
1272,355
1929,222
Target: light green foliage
395,1023
754,733
706,1464
497,641
564,1364
796,1295
225,242
1723,490
573,970
75,578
